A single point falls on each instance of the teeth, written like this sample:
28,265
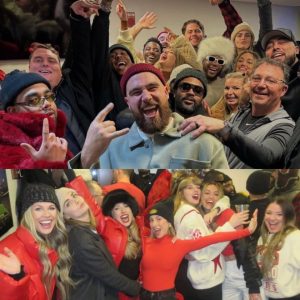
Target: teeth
122,63
45,222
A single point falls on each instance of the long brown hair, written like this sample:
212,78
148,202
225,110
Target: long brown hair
276,242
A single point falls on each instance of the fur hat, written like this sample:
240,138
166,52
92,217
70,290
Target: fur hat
164,210
15,82
122,47
191,72
240,27
259,182
117,196
36,192
139,68
217,45
279,32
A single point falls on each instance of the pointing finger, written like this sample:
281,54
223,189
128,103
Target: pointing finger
104,112
45,132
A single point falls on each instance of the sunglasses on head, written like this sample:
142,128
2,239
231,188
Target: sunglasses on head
220,61
185,87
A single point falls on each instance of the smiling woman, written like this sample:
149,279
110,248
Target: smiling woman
278,251
38,244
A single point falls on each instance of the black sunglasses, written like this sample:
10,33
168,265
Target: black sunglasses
212,59
185,87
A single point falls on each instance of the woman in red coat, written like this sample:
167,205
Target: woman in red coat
34,260
162,252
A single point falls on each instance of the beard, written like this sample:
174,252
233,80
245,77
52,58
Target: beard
186,110
290,60
157,124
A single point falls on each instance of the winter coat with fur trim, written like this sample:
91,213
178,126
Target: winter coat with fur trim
17,128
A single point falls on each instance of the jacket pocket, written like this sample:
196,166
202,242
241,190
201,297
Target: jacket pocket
183,163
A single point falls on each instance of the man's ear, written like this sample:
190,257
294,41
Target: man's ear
297,49
284,90
126,101
11,109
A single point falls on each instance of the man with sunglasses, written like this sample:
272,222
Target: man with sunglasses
257,135
216,56
188,90
153,140
31,127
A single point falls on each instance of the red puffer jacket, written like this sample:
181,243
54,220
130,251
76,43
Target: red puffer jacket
30,287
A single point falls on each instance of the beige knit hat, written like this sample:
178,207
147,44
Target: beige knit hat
240,27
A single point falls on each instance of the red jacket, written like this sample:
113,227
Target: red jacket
30,287
17,128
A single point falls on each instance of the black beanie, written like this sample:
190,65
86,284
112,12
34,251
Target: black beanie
120,46
191,72
117,196
15,82
164,210
259,182
33,193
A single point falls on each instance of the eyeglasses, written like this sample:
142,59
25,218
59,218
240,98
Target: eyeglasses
220,61
36,101
185,87
268,80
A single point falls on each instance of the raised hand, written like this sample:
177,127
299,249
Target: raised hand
85,8
121,11
9,262
147,21
253,222
99,136
239,219
52,148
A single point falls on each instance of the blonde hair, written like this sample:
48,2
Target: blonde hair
133,245
58,241
277,240
219,185
179,197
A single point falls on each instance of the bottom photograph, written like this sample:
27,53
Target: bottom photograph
150,234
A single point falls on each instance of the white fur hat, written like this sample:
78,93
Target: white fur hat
217,45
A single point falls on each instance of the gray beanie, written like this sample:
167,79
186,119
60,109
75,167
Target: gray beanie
122,47
38,192
259,182
15,82
190,72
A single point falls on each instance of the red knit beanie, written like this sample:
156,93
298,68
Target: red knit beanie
139,68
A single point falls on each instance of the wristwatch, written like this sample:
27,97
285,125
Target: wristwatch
225,131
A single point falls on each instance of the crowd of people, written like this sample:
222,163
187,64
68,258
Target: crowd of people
194,241
185,101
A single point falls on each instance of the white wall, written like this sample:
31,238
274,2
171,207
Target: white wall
173,14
